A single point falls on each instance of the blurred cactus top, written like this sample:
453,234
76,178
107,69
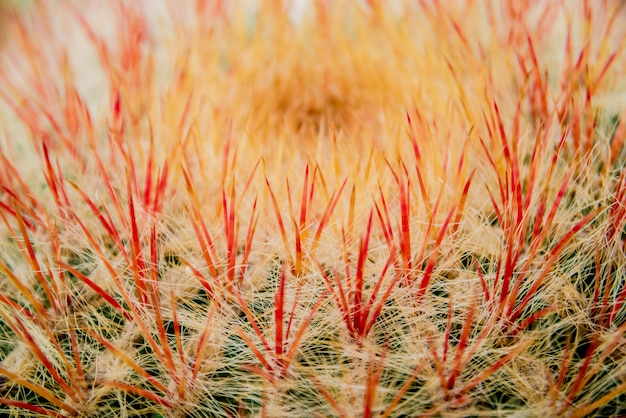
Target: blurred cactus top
8,8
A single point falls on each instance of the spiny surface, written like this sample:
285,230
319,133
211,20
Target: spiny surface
397,208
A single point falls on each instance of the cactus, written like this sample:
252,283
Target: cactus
353,209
